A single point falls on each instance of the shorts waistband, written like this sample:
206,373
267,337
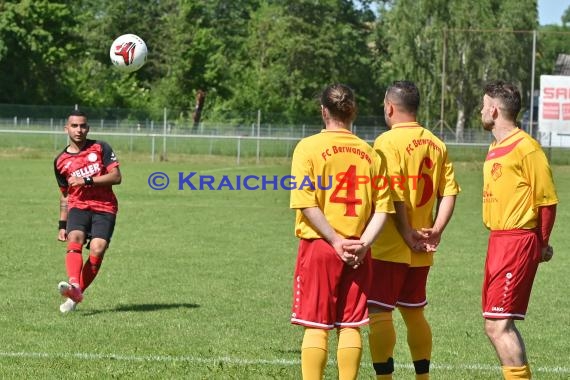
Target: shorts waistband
514,232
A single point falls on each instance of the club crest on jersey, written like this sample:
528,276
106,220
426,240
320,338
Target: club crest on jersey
92,157
496,171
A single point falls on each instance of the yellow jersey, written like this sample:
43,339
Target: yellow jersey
419,172
516,181
333,170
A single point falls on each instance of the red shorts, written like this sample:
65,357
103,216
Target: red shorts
327,293
512,261
397,284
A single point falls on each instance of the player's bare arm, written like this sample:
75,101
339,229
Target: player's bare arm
370,234
112,178
319,221
445,207
62,234
414,239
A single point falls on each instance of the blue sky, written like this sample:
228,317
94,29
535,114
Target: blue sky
550,11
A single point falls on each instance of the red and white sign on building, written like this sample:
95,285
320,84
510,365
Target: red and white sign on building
554,110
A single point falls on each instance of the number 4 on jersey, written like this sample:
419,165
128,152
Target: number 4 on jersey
347,182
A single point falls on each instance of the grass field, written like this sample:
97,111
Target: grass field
196,284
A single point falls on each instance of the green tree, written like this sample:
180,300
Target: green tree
290,57
200,42
36,41
552,40
95,82
566,17
477,41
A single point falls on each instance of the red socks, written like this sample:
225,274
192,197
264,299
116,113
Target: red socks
74,262
76,271
90,270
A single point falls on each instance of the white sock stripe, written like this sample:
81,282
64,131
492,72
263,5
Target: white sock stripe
240,361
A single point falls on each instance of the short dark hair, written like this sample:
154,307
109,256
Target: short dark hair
509,96
405,94
77,112
339,99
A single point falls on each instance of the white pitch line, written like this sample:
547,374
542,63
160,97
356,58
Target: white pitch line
239,361
237,168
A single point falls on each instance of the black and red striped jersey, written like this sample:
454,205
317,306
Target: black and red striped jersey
95,158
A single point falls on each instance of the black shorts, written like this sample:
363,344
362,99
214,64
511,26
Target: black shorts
94,224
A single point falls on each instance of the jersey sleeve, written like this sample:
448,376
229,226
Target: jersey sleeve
537,172
383,202
60,178
390,155
301,169
109,158
447,184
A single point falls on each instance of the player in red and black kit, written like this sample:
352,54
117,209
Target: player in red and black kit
85,171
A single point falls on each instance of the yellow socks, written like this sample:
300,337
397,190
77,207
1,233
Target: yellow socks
349,353
382,339
419,340
314,353
516,373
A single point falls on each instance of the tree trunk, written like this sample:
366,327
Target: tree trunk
460,124
197,114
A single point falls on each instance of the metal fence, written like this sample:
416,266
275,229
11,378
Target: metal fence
165,138
175,142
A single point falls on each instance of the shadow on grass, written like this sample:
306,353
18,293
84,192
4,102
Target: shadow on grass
143,308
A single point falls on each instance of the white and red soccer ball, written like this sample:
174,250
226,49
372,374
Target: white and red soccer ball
128,52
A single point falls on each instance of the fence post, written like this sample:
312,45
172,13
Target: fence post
51,126
152,149
531,115
164,137
549,146
238,150
131,140
442,104
258,134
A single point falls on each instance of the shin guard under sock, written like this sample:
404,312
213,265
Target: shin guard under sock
74,262
382,340
419,339
89,272
314,353
349,353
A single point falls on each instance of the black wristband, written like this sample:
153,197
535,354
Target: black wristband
88,181
62,224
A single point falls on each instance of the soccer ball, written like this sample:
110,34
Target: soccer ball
128,53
